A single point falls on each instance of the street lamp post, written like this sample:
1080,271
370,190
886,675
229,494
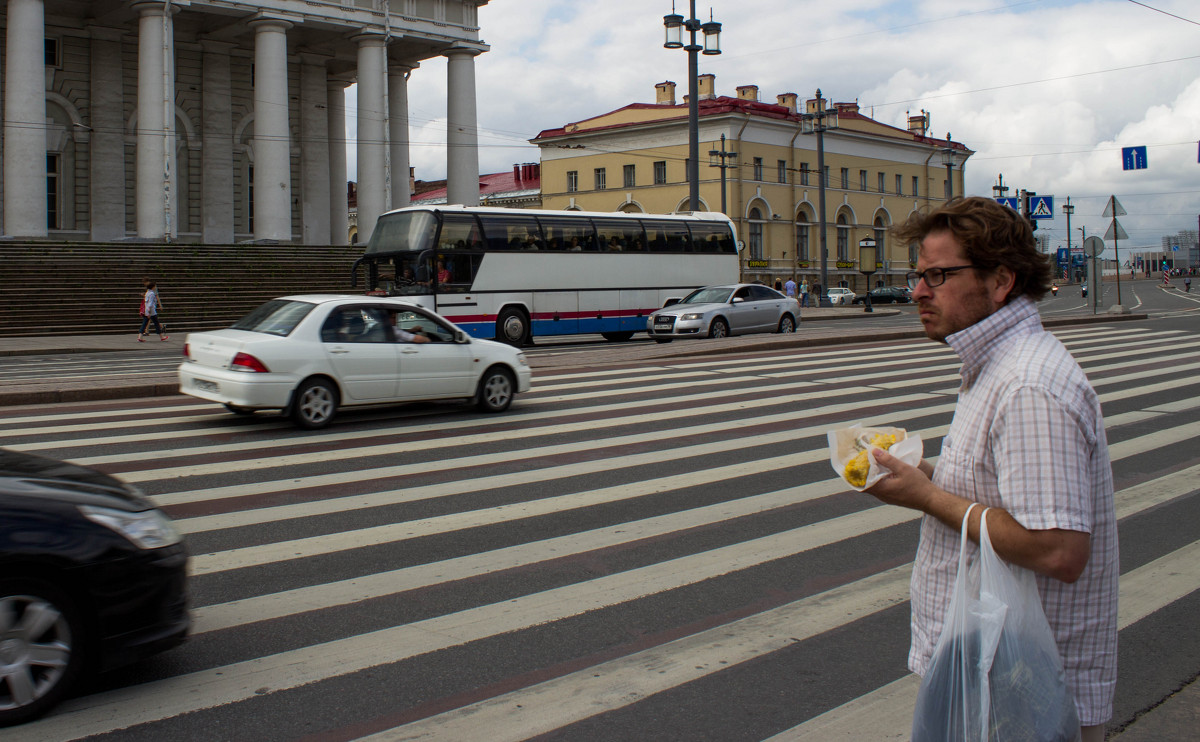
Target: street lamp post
675,24
868,256
818,122
999,190
1068,209
724,160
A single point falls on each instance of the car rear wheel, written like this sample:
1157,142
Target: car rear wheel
41,648
787,324
495,391
314,404
718,329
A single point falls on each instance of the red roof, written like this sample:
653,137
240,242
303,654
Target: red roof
494,183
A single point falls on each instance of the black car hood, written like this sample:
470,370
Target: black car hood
26,475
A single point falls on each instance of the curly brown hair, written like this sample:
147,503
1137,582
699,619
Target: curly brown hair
991,235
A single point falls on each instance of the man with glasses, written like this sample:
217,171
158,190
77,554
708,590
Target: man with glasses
1027,440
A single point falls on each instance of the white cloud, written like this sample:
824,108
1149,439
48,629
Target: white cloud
1045,92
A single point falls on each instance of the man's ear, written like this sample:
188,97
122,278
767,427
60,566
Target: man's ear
1001,283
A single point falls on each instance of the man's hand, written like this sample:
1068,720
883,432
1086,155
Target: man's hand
907,486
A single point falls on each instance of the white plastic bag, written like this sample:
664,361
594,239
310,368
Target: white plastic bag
847,443
995,675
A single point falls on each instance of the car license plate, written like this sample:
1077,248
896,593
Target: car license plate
206,386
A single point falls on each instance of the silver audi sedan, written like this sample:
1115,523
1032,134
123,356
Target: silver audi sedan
720,311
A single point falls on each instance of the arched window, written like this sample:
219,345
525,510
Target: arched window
843,238
756,234
802,235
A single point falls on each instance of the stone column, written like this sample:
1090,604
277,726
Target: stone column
339,207
372,143
272,146
314,150
398,133
216,154
25,121
155,190
462,142
106,173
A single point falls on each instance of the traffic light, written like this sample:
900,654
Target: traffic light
1026,211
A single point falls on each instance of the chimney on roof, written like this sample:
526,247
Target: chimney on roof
706,87
747,92
517,173
815,105
919,124
665,93
847,107
787,100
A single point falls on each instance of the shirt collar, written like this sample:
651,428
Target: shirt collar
977,344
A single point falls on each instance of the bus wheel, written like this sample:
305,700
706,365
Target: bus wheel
718,329
512,327
616,337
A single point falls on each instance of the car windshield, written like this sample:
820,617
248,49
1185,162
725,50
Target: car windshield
276,317
708,295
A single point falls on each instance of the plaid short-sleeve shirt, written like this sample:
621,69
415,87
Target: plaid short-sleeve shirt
1027,436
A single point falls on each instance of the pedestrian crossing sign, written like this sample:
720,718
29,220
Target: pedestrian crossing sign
1041,207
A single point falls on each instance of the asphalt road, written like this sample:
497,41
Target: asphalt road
643,547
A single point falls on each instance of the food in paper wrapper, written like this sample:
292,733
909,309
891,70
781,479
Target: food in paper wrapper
850,452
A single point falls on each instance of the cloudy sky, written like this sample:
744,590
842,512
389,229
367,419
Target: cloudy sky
1046,92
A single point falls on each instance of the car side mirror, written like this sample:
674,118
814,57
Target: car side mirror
460,336
737,300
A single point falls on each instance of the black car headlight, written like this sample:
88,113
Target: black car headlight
148,529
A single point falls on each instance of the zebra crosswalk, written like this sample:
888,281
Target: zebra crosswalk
653,550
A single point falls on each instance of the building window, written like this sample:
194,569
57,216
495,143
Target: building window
600,178
782,171
758,175
804,173
843,238
846,178
881,189
53,214
53,53
660,172
916,191
899,184
630,177
801,238
756,234
862,180
572,181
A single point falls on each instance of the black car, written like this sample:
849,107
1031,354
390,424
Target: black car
92,576
887,295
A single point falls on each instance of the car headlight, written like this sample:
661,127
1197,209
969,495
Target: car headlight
521,359
149,529
692,316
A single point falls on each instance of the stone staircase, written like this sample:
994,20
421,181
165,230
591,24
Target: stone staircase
95,288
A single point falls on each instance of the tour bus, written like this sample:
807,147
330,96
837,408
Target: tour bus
515,274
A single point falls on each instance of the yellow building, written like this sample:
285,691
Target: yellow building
634,159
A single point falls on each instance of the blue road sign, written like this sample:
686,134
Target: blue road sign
1041,207
1011,203
1133,158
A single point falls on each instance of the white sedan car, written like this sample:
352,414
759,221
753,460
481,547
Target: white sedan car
841,296
310,355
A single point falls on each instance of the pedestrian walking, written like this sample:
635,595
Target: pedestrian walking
149,308
789,288
1027,440
1187,284
804,292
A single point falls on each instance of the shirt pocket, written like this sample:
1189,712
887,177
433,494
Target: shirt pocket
956,472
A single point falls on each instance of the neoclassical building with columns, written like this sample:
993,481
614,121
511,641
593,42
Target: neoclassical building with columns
220,121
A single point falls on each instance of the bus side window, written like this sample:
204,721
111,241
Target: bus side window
712,237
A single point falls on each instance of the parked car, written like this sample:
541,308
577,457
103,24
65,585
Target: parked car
839,295
312,355
719,311
886,295
92,577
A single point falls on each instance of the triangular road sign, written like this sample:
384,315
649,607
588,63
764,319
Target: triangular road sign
1115,232
1114,208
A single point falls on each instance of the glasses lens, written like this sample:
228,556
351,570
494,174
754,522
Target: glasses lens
913,278
934,277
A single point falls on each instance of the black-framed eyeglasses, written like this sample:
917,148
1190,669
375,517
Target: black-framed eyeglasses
933,276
